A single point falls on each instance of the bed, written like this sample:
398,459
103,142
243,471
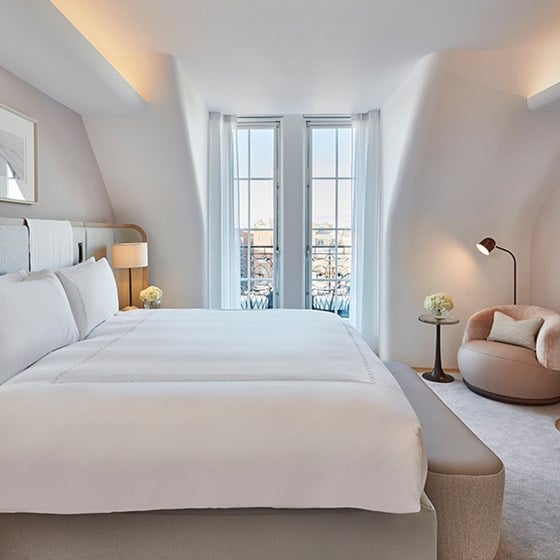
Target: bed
205,434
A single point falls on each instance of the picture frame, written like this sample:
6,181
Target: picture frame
18,157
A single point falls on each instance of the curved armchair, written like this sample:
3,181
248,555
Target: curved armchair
512,373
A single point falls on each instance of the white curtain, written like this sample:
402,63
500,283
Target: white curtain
364,308
223,204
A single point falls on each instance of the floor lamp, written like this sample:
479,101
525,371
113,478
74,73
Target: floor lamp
486,246
130,255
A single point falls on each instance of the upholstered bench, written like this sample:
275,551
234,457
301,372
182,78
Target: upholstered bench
465,479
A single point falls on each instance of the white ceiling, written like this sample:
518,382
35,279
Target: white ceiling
307,56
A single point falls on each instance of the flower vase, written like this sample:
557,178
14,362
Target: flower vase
152,304
440,313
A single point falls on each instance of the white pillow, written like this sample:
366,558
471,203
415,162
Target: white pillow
12,277
37,275
92,293
520,333
36,319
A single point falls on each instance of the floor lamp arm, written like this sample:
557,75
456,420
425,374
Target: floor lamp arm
514,272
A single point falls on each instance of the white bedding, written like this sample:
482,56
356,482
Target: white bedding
173,409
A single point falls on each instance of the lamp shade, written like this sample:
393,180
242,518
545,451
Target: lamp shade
486,246
130,255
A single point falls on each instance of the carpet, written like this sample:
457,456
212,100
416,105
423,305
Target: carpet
527,441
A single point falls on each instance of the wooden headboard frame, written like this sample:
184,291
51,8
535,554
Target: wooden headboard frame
91,239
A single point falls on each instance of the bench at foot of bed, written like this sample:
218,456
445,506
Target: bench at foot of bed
465,480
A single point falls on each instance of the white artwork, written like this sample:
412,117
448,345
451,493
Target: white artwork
18,179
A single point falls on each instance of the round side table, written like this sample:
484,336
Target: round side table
437,374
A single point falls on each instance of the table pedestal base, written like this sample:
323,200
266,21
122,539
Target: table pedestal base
438,376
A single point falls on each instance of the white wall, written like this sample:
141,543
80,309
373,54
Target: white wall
545,258
469,160
70,184
154,164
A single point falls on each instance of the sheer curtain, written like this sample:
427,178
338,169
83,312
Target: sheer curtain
366,212
223,206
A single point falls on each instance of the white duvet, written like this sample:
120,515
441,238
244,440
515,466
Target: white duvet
173,409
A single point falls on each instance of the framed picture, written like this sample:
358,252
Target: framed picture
18,157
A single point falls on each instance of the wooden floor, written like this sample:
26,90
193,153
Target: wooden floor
452,371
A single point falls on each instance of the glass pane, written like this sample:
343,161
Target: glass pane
322,288
344,204
262,262
322,295
323,262
323,237
262,204
242,153
323,201
262,152
262,237
344,152
261,296
344,266
244,294
244,204
345,239
323,155
244,254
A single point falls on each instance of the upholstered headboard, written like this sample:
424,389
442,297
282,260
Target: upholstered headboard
90,240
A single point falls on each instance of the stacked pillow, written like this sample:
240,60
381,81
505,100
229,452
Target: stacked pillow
92,293
44,311
36,319
13,277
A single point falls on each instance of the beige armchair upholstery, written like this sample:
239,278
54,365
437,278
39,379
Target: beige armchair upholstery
507,372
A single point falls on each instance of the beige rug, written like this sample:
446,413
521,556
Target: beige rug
528,442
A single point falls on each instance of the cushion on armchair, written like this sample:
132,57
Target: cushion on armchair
520,333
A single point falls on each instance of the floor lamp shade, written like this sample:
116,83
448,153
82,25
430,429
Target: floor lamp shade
486,246
129,255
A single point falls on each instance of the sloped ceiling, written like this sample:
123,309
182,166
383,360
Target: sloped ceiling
303,56
247,57
40,46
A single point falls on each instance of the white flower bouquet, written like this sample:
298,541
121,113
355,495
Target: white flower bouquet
439,304
151,296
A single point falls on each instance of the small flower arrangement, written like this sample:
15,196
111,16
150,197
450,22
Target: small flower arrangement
439,304
151,296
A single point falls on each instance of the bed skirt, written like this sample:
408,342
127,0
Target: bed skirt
244,534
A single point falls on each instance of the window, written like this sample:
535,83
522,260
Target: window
256,179
295,212
329,209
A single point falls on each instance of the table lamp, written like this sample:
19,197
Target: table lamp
130,255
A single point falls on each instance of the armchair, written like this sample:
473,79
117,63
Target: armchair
511,373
